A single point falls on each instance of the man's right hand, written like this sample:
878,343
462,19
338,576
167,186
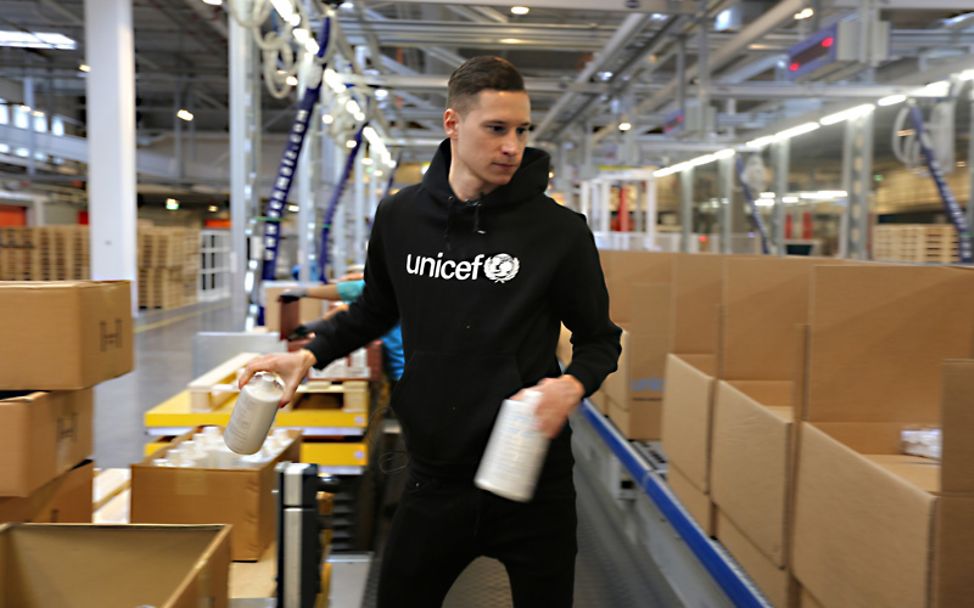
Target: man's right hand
291,367
292,295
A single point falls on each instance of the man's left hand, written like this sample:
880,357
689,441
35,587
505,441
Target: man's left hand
559,398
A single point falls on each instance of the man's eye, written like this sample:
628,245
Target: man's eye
497,129
522,130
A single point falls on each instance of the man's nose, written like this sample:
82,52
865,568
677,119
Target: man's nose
510,145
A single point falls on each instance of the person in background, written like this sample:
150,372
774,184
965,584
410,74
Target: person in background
481,268
347,289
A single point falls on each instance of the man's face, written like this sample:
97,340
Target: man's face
489,137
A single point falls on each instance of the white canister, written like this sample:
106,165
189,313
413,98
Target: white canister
515,452
254,413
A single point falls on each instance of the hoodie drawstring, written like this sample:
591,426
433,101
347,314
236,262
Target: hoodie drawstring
476,218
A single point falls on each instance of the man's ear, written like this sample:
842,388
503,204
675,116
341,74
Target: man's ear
451,120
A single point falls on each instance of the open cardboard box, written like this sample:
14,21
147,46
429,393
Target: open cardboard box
86,566
242,497
689,378
888,348
42,435
765,302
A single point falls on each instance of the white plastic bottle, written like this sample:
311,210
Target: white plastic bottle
254,413
515,452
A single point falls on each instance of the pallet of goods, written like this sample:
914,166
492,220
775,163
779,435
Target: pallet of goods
915,243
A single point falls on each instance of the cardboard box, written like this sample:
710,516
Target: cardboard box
65,499
777,584
641,421
42,435
751,462
241,497
696,503
86,566
697,285
64,335
744,435
872,527
687,411
310,308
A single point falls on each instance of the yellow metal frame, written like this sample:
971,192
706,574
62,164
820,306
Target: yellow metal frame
329,454
176,412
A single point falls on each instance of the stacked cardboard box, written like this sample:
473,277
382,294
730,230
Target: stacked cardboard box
168,261
60,339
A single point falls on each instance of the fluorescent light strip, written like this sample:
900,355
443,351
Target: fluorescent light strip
37,40
891,100
850,114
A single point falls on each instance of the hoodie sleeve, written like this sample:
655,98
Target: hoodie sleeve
583,304
373,314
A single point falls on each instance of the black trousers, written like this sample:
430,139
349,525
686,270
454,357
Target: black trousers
440,527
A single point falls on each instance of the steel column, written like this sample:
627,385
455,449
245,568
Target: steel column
781,153
857,169
725,172
686,209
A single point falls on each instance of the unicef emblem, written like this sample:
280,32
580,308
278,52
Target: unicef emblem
501,268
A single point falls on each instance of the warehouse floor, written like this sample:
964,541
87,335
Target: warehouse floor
605,574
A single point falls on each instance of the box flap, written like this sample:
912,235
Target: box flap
687,407
623,270
697,282
953,561
878,338
763,300
958,427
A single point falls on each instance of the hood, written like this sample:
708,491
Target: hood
529,181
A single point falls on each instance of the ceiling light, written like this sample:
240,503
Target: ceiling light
172,204
520,10
37,40
350,144
291,81
966,75
625,125
891,100
366,161
293,208
801,129
789,200
658,17
379,173
213,208
184,114
805,13
725,153
850,114
760,142
764,202
213,2
347,6
327,119
84,67
941,88
38,113
510,41
381,94
359,117
352,106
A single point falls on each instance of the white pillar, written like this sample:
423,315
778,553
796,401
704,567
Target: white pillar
243,152
651,213
111,140
375,181
605,210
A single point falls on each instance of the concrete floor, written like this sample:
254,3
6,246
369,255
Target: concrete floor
163,367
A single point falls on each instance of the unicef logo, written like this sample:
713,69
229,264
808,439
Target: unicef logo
501,268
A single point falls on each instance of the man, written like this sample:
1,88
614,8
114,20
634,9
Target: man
480,267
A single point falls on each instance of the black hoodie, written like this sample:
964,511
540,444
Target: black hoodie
481,289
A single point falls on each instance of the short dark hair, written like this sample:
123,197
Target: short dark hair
478,74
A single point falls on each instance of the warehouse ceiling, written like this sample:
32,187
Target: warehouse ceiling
587,70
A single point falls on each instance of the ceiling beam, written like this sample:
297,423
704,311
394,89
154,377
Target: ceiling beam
625,6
